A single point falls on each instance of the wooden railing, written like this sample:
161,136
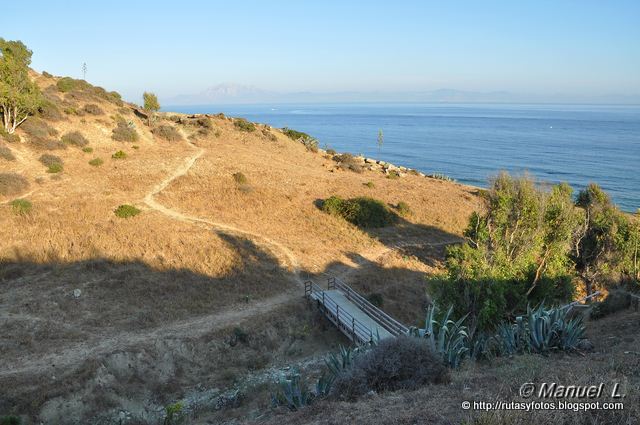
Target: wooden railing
383,319
357,331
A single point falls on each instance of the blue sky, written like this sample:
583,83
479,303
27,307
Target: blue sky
537,47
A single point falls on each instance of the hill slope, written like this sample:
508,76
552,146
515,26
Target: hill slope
102,313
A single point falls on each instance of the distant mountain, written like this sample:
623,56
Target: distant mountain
239,94
222,93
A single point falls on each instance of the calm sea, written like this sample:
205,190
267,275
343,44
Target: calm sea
576,144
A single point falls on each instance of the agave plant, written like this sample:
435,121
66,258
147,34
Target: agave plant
292,392
338,362
540,331
324,384
446,337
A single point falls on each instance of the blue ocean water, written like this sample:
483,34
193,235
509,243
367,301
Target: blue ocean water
573,143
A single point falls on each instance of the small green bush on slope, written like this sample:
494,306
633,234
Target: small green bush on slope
126,211
362,211
244,125
21,206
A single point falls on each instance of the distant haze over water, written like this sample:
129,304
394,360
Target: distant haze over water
472,142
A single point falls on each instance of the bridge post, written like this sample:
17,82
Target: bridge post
338,314
323,299
353,327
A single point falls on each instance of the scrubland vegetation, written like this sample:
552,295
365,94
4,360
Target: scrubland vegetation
199,297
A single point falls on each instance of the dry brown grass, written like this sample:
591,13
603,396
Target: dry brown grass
153,273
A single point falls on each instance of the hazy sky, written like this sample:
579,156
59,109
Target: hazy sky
538,47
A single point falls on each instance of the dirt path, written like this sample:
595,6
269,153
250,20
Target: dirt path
191,328
280,251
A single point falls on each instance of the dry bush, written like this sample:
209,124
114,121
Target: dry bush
75,138
5,153
244,125
36,128
50,160
49,111
402,363
93,109
124,133
11,138
12,184
346,161
47,144
167,133
40,134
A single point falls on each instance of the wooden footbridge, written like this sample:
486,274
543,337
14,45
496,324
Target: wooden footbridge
353,314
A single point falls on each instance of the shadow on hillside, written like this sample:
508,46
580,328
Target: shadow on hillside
133,295
52,305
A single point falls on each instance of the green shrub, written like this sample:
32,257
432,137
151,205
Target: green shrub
240,178
167,133
75,138
68,84
72,110
294,134
403,209
11,138
126,211
21,206
136,147
402,363
174,414
87,149
244,125
93,109
12,184
46,74
516,254
331,152
96,162
124,133
10,420
370,185
55,168
119,155
5,153
362,211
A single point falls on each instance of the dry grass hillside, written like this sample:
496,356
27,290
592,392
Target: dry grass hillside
202,288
